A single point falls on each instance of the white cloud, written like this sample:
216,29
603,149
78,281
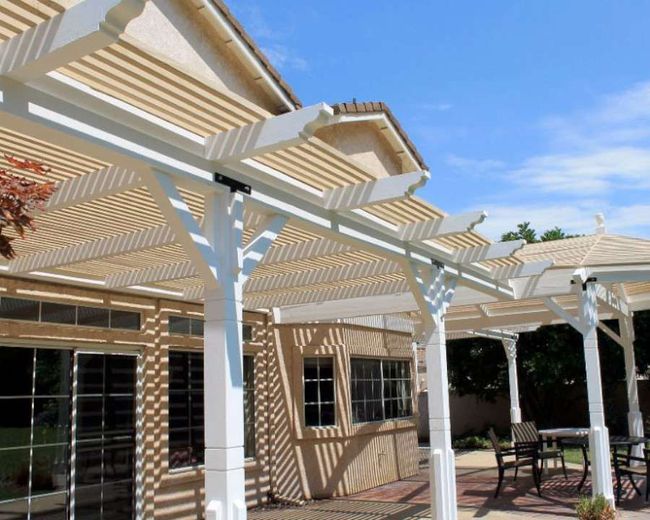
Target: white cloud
587,173
473,165
283,58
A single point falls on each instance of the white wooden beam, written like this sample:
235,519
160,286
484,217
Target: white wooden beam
186,228
379,191
438,227
261,241
557,309
94,250
269,135
632,273
615,337
609,299
78,31
312,277
155,273
275,255
524,270
488,252
101,183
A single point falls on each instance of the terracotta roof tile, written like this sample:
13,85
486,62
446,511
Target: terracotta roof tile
379,106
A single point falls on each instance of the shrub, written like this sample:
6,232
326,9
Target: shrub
596,508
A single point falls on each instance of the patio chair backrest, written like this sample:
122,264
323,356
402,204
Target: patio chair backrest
494,440
525,432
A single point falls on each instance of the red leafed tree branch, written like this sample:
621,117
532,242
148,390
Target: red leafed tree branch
19,197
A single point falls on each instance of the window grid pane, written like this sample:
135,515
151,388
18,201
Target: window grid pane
380,389
319,396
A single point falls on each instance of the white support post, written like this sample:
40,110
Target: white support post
634,416
601,470
510,347
434,293
224,404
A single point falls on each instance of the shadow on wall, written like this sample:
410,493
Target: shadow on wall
469,414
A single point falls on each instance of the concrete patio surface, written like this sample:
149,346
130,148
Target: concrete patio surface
476,479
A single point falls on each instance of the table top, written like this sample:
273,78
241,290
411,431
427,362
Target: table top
564,432
614,440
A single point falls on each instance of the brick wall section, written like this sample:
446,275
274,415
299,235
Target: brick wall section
291,461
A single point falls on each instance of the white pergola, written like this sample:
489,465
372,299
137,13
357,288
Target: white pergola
172,186
588,280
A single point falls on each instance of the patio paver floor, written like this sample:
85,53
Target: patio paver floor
476,479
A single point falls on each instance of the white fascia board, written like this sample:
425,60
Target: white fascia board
69,117
207,9
627,274
387,189
94,250
428,229
488,252
329,275
269,135
85,188
524,270
82,29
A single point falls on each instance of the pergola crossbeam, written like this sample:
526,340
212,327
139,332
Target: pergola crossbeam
156,273
80,30
94,250
557,309
438,227
269,135
101,183
387,189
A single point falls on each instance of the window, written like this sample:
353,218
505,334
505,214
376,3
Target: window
66,314
186,425
194,327
318,378
186,418
381,389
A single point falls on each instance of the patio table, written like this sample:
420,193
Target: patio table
615,441
560,433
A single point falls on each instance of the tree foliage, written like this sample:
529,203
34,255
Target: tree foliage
550,362
19,198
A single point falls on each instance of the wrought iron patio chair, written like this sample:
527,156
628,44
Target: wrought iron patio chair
519,456
527,432
624,467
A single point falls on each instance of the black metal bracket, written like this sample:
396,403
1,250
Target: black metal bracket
233,184
437,263
591,279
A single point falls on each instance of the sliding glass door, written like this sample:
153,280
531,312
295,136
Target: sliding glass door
67,434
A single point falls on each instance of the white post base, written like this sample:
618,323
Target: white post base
225,488
601,469
515,415
442,481
635,428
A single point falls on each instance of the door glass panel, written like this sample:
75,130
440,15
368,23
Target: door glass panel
51,420
16,366
14,473
50,469
15,422
105,415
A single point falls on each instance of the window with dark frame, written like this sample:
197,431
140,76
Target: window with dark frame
186,326
186,408
380,389
67,314
318,375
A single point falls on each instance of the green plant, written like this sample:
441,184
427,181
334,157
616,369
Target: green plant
477,442
596,508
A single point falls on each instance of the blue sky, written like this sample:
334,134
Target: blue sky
534,110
